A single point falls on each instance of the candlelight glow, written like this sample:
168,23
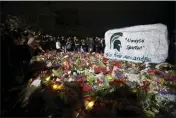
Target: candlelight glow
47,79
90,104
55,86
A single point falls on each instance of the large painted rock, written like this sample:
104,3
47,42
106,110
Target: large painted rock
143,43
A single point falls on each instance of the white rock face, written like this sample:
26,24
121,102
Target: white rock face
144,43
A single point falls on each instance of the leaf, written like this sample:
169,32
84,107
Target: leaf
149,113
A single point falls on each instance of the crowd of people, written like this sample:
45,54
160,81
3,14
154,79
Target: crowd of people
19,46
38,42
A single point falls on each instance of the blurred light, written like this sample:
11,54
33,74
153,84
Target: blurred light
48,78
90,104
55,86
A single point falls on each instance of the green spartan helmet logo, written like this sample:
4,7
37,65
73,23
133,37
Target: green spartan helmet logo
115,42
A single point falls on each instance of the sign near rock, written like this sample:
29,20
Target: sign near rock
143,43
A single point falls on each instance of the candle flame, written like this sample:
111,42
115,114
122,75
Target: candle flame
90,104
47,79
57,87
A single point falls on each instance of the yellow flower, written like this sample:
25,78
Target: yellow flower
109,76
38,59
134,90
161,81
64,63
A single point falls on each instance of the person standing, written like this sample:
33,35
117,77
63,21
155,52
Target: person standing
84,45
50,43
33,44
58,45
77,44
97,44
68,44
102,45
90,45
63,44
45,42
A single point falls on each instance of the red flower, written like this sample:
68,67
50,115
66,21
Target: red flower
105,60
111,83
97,69
103,69
151,71
81,83
117,63
87,88
146,83
121,81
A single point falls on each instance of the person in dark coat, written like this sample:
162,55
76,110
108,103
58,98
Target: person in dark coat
63,44
68,44
77,44
97,44
84,45
90,45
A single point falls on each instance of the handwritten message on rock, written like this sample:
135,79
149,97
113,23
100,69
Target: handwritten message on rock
143,43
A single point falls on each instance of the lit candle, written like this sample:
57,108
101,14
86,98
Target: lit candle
89,105
48,78
57,87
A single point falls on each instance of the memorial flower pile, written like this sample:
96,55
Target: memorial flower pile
95,76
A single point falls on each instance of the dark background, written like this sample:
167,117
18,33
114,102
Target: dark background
90,18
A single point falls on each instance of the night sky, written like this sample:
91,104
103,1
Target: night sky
90,18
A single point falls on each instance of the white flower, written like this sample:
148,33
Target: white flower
70,79
49,64
133,77
58,80
69,72
74,74
91,71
